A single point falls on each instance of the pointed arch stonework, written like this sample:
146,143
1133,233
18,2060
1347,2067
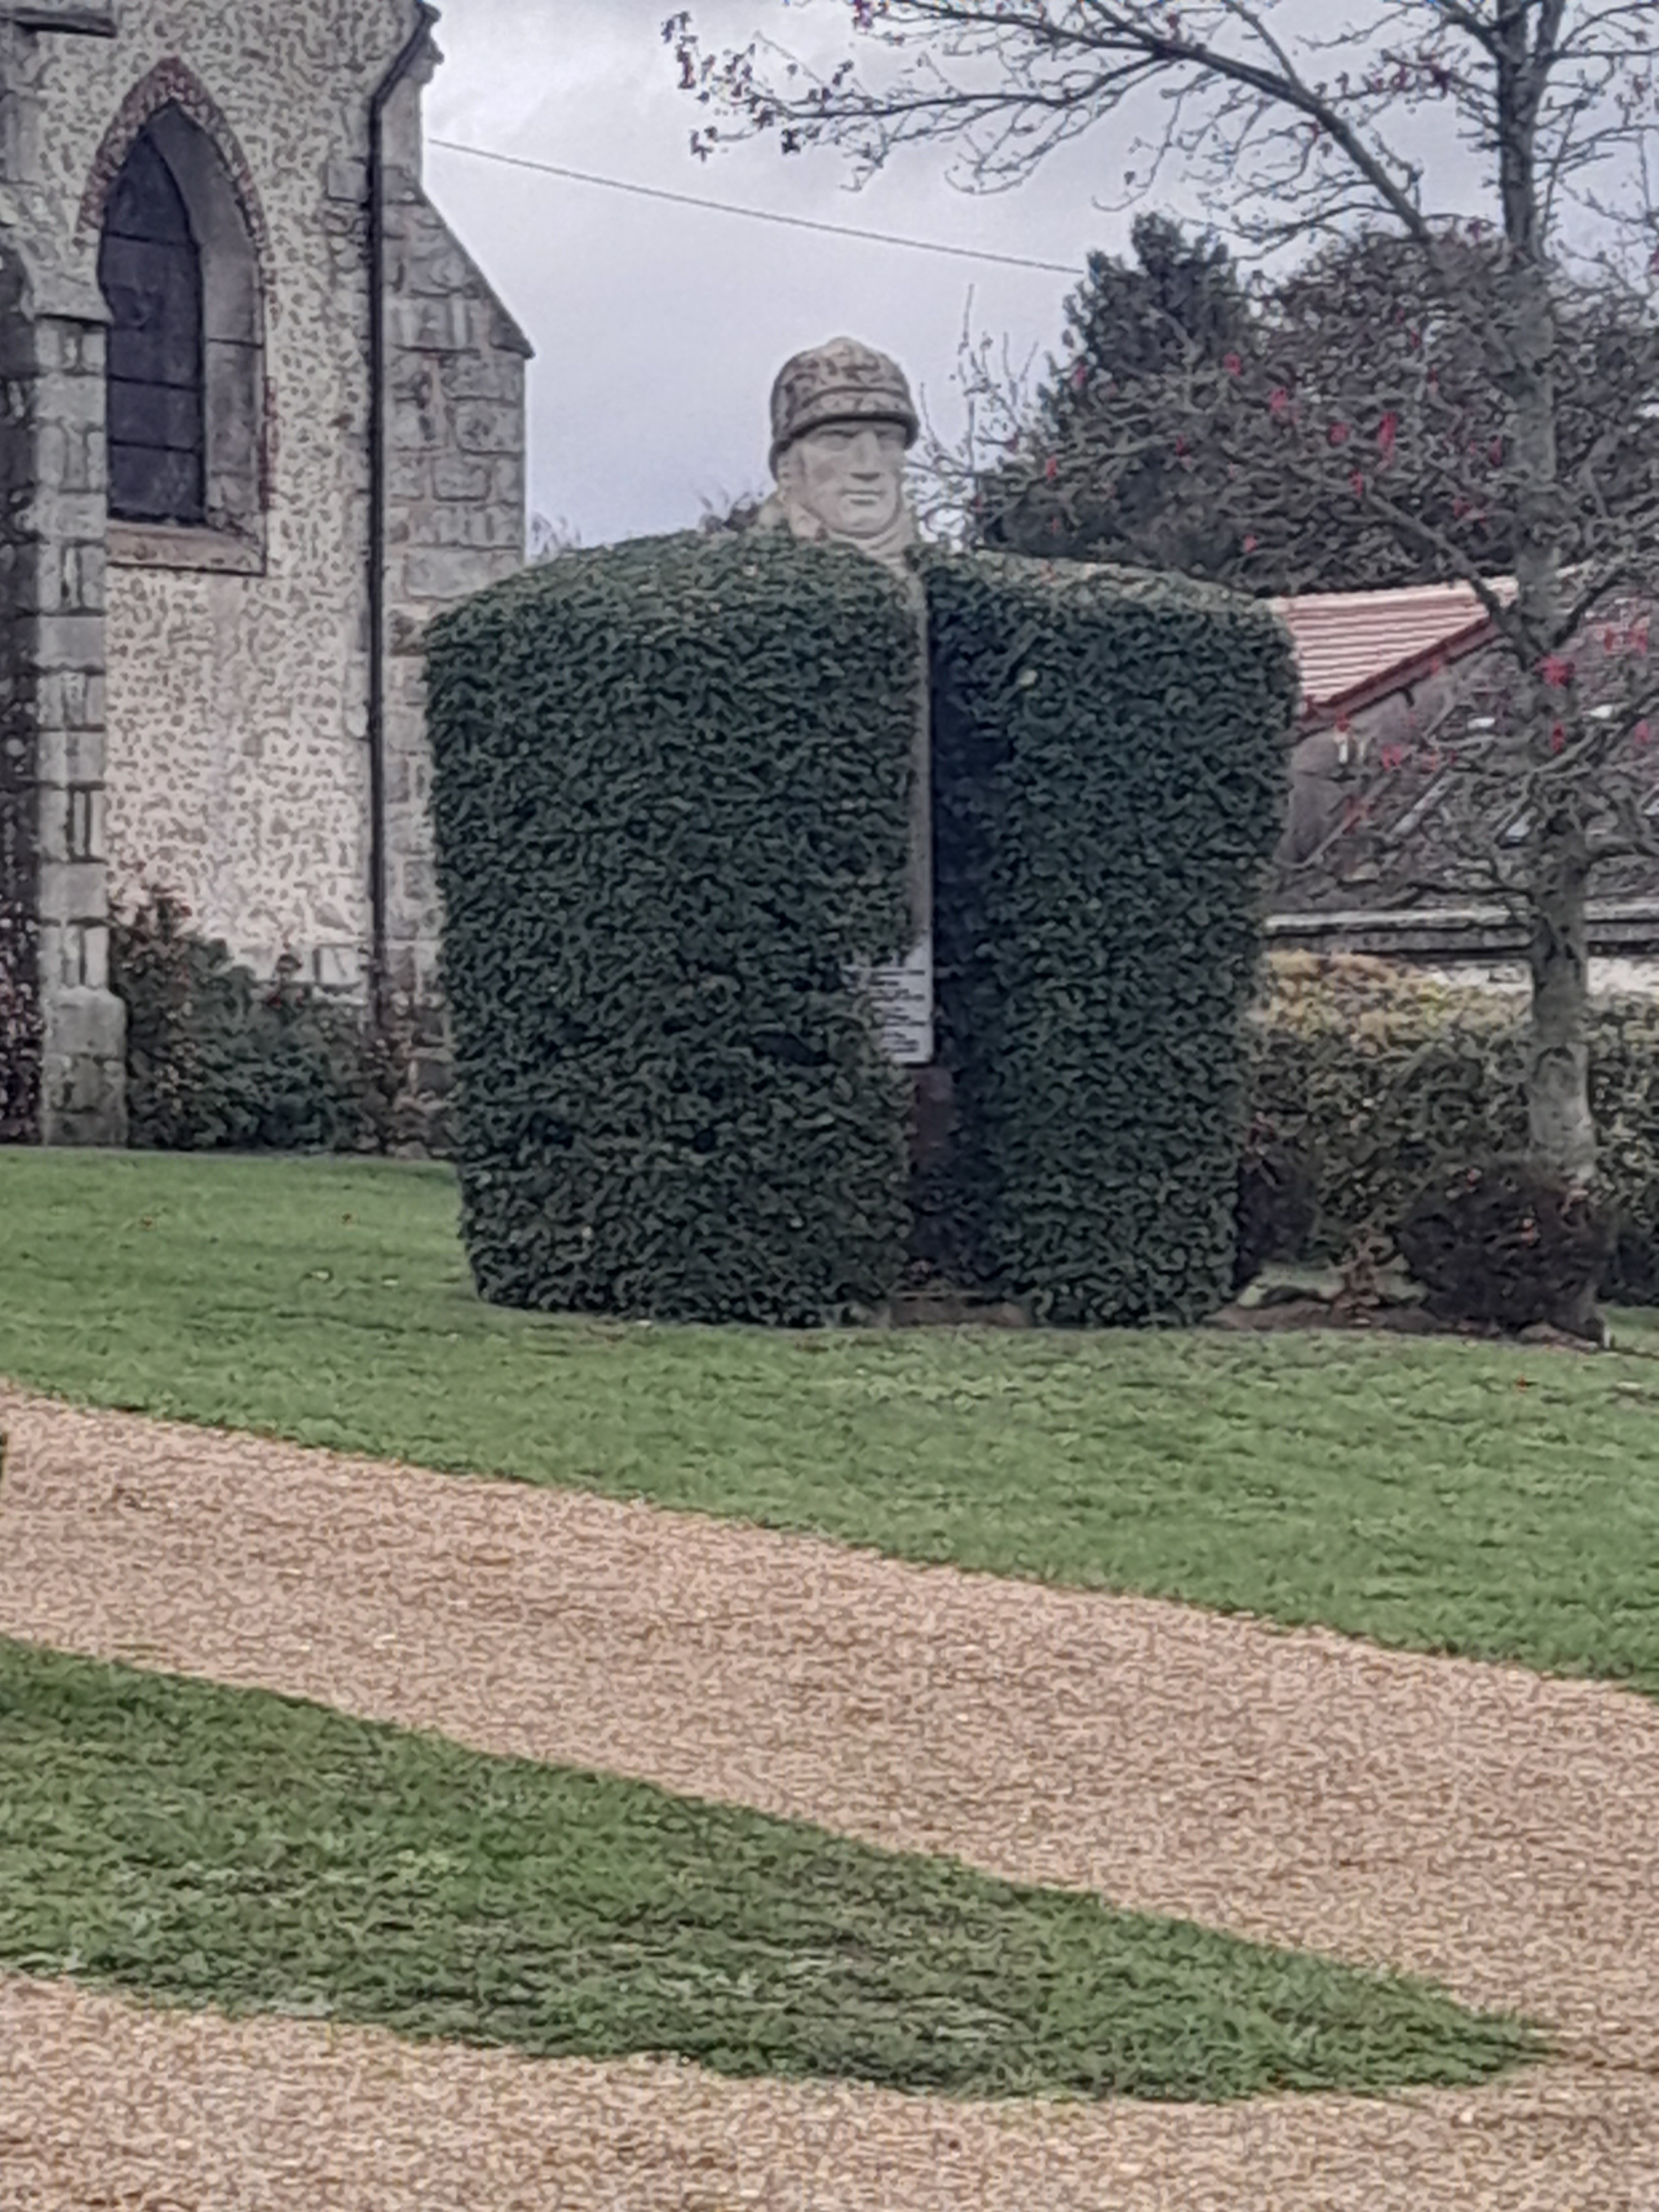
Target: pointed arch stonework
173,83
172,111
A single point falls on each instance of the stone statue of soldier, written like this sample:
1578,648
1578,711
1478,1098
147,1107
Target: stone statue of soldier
843,421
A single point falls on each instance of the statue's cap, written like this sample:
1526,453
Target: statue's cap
840,382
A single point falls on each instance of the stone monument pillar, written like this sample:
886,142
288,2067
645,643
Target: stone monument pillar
843,421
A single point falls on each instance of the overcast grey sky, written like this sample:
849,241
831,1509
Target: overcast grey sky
658,329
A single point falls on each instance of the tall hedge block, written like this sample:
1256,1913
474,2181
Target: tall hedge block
1109,771
671,784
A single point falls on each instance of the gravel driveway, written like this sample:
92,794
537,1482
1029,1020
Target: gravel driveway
1471,1822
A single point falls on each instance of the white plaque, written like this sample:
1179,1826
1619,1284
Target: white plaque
902,994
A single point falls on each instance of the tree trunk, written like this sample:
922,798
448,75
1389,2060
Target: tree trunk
1561,1135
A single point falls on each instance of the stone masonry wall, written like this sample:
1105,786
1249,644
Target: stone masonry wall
238,700
20,1042
83,1047
455,525
64,1076
231,765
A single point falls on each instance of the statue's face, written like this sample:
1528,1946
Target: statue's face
849,475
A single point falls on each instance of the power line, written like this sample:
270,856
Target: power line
755,214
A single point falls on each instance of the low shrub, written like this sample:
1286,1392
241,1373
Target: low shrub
218,1060
1500,1241
1378,1080
1374,1079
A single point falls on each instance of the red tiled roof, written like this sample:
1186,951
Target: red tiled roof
1355,645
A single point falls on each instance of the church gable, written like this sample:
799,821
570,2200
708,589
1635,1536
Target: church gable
232,566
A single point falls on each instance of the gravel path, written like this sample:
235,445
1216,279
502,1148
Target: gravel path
103,2105
1471,1822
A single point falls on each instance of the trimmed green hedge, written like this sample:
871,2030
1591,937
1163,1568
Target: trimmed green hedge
671,783
218,1060
1109,770
1380,1077
671,790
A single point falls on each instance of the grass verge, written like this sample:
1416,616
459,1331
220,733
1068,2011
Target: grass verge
1441,1496
206,1846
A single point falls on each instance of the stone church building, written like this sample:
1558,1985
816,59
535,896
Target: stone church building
260,417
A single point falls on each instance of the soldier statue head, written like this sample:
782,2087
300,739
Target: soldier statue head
843,421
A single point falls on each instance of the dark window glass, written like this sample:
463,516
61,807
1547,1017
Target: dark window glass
151,273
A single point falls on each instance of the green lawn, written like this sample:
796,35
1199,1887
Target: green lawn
201,1845
1445,1495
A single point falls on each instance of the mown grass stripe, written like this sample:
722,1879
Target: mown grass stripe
208,1847
1438,1497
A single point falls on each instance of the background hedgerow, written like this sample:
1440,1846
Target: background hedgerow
1379,1078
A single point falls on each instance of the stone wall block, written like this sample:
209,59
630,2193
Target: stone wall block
84,466
63,757
49,764
76,956
74,350
429,326
435,268
470,376
412,377
70,890
51,465
339,967
455,477
96,941
506,485
82,700
51,835
89,820
414,428
73,402
435,1078
487,528
70,642
346,248
28,585
480,428
71,515
406,695
83,572
444,575
409,478
84,1072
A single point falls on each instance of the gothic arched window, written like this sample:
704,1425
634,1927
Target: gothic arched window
181,265
149,266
